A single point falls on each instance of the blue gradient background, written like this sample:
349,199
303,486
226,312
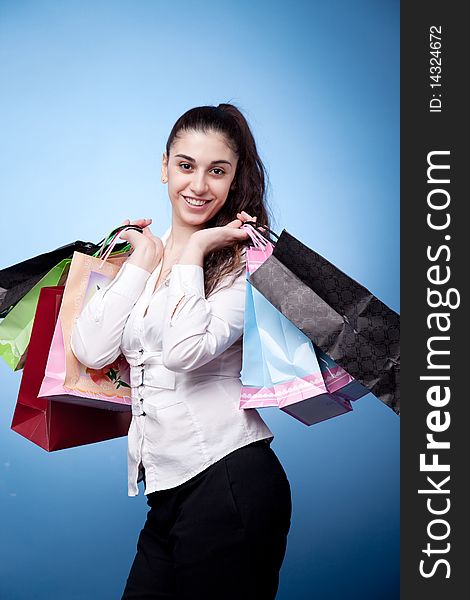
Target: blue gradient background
90,91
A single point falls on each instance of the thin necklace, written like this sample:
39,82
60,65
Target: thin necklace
155,288
163,275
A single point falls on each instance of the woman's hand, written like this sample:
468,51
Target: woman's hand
205,240
148,248
214,238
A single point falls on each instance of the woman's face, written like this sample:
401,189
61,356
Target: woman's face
201,167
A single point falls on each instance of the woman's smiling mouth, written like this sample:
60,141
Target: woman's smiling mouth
195,202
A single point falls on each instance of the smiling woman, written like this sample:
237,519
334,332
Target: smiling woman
211,156
220,499
203,186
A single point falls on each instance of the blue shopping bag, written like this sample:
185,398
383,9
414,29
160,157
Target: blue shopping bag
280,366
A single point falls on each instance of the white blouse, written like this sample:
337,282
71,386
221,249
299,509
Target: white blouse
184,368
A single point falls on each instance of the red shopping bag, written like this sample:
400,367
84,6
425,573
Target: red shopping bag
55,425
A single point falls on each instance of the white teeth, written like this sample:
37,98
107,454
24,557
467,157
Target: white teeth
196,202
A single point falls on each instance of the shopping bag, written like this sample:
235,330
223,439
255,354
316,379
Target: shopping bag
16,281
280,365
340,316
342,390
65,378
57,425
338,381
15,328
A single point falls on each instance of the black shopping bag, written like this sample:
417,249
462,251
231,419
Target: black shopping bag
16,281
338,314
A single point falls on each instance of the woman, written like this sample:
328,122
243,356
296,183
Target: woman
220,499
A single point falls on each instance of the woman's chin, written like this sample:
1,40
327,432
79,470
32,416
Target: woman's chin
194,220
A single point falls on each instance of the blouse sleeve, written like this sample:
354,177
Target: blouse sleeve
195,329
97,332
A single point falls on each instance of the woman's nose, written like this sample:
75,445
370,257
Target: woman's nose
199,184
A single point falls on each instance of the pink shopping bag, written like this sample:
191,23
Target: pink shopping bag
66,379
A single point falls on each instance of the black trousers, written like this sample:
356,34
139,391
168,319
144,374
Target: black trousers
221,535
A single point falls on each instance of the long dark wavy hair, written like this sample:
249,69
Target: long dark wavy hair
248,189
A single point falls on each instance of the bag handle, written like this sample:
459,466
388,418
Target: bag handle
259,226
259,240
256,239
121,248
111,240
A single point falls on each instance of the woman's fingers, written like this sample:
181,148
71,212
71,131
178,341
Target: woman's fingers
143,223
244,216
139,222
240,234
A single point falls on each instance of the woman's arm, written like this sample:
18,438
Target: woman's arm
97,332
195,329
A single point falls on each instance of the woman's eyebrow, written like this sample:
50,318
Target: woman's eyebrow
212,163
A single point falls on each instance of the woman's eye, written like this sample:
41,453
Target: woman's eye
184,165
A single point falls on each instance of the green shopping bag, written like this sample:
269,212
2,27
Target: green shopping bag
15,329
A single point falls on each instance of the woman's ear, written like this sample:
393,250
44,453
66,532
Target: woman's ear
164,169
